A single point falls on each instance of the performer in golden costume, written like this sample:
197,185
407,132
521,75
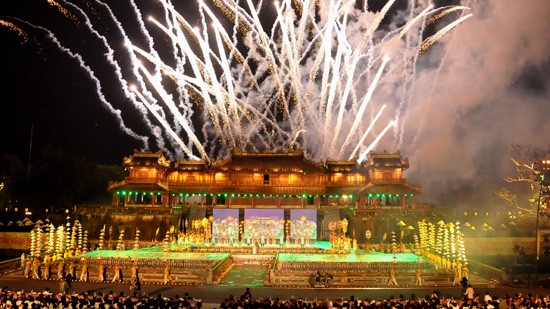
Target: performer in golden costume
28,266
167,277
61,270
117,276
72,269
134,270
101,273
465,272
391,280
84,275
36,269
47,266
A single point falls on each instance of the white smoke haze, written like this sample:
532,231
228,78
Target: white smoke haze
491,93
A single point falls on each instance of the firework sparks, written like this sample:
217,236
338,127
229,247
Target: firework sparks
18,30
308,81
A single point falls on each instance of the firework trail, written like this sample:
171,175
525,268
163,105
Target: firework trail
91,74
315,77
18,30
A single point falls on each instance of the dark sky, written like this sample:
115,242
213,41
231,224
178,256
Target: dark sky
491,92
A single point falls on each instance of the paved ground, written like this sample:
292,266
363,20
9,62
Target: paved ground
212,295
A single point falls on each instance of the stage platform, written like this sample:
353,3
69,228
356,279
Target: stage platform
285,266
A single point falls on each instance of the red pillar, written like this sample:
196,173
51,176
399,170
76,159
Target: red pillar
363,202
164,199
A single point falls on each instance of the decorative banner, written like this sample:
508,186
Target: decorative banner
15,240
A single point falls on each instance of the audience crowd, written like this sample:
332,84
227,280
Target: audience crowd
49,300
46,299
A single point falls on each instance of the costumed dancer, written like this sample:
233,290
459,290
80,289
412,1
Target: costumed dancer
101,273
465,272
136,284
117,276
23,262
61,270
167,277
418,277
391,280
134,270
36,269
457,269
84,271
72,269
328,280
28,266
47,266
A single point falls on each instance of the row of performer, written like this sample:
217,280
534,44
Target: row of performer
34,269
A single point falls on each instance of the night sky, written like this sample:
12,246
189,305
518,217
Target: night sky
492,92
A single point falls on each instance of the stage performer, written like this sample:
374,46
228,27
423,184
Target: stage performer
391,280
84,271
167,277
36,269
47,266
61,270
117,276
72,269
69,278
328,280
101,273
256,248
311,280
418,277
136,284
317,278
465,272
457,268
28,266
134,270
23,262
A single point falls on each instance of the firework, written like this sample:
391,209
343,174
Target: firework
310,80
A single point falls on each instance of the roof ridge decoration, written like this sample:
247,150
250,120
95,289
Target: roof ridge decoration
151,158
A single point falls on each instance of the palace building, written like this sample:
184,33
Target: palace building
265,180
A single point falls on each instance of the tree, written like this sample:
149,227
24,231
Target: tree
523,158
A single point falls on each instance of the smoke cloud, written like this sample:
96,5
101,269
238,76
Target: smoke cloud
490,91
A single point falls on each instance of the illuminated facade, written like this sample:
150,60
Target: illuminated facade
265,180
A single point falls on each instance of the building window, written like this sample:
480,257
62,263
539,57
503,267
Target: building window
266,179
387,176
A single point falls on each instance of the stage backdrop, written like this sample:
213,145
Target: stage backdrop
262,224
223,214
304,221
225,228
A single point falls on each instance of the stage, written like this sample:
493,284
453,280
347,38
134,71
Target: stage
285,266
